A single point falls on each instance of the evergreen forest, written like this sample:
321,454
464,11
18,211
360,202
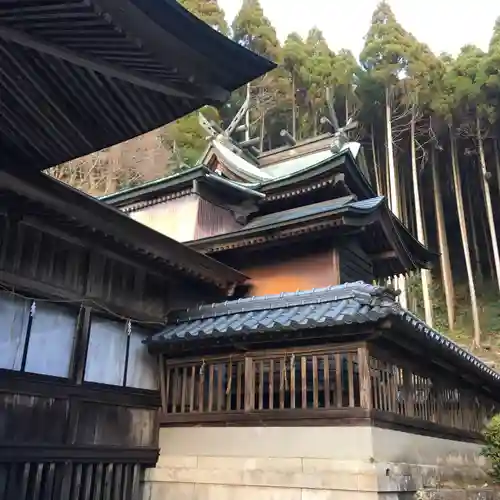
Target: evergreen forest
430,127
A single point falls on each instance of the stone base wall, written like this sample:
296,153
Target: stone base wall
310,463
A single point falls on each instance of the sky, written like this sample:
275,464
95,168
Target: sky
445,25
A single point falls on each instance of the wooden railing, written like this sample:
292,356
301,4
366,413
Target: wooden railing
271,380
325,382
399,390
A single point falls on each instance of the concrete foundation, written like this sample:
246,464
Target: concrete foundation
313,463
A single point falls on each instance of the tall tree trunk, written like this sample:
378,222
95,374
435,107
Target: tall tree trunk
465,243
376,167
294,109
478,199
419,223
487,197
475,255
444,252
393,193
497,162
262,131
393,188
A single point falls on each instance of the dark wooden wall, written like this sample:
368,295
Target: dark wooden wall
354,264
78,403
51,263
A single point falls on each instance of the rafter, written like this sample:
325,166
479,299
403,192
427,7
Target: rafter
184,90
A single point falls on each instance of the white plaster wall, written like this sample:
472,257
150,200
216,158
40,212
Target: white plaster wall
175,218
304,463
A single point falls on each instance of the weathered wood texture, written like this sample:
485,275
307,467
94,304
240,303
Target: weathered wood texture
72,380
213,220
289,272
354,264
349,382
298,378
46,261
189,217
43,416
403,389
68,480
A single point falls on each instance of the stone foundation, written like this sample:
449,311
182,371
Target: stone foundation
313,463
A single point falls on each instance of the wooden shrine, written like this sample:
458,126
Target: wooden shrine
311,354
81,284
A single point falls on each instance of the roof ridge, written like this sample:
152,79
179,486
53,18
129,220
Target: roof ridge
359,290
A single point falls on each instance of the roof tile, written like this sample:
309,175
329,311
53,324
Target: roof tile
350,303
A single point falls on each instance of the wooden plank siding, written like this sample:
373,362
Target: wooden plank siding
189,217
213,220
355,264
78,395
47,262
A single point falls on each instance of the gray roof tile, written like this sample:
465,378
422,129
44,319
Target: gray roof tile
347,304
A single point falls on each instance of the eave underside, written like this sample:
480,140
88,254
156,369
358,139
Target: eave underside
89,74
80,215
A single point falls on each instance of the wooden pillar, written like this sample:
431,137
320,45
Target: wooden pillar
249,384
81,345
163,383
409,392
365,383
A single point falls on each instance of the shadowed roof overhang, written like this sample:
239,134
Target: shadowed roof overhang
87,74
79,212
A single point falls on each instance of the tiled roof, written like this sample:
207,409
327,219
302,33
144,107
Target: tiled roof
347,304
344,304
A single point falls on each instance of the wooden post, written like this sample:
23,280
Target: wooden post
409,392
163,385
249,384
365,386
81,346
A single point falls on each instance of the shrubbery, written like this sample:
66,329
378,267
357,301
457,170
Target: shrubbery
491,450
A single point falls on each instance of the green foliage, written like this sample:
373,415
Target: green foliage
187,137
208,11
491,449
388,47
294,54
252,29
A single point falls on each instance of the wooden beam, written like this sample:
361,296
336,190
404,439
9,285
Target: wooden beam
77,453
48,291
391,254
185,90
